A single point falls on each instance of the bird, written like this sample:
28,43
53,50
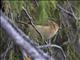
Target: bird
47,31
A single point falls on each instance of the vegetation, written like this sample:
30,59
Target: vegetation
68,36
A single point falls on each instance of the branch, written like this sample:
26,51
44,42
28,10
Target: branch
36,2
54,45
21,39
66,11
72,10
31,19
3,55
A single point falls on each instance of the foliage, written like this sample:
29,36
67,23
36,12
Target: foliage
45,11
41,13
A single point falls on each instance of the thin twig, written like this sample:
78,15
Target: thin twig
36,3
67,12
54,45
72,10
31,19
3,55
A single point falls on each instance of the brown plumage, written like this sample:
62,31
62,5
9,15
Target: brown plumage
47,31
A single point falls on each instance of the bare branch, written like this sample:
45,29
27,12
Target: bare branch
31,19
3,55
54,45
72,10
36,3
66,11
